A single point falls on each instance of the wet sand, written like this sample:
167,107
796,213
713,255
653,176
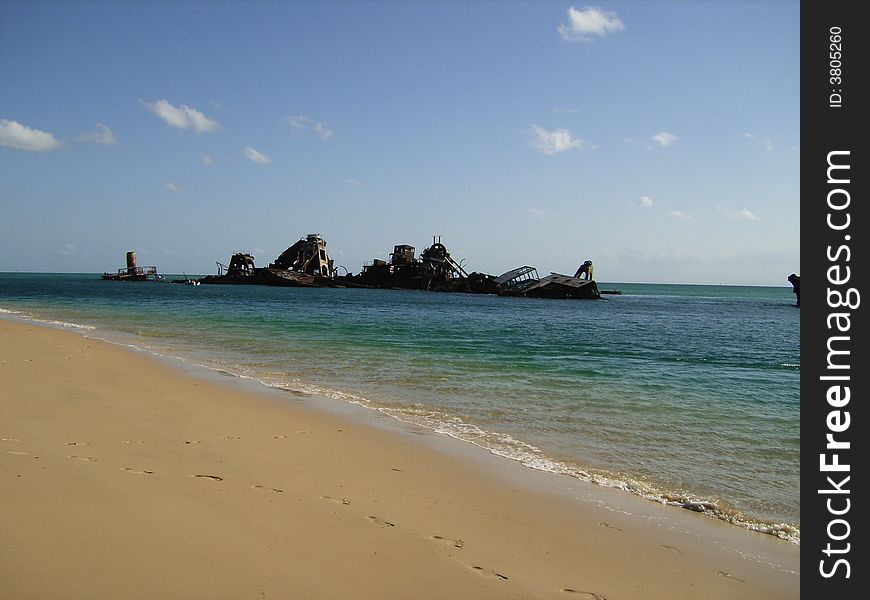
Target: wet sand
122,477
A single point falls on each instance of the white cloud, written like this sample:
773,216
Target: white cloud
323,131
768,145
207,160
68,249
645,201
676,214
257,156
299,122
553,142
303,122
664,138
182,117
103,135
21,137
542,214
172,187
743,214
355,182
584,25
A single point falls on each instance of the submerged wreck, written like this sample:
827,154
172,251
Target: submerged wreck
304,264
434,271
132,272
524,281
307,264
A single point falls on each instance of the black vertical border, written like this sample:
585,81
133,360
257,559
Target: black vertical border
826,127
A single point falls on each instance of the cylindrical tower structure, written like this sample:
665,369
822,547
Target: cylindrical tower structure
131,262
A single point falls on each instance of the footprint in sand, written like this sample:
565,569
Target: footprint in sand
729,576
339,501
85,458
583,595
133,442
609,526
18,452
129,470
671,548
262,488
212,477
380,521
232,437
76,443
279,437
488,572
449,541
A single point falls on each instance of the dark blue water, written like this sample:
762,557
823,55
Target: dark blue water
682,394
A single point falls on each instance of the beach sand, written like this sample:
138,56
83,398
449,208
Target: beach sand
124,477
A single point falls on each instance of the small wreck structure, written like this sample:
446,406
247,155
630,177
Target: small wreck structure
133,272
435,270
524,281
304,264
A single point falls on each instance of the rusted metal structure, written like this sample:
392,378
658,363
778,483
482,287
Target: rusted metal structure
585,270
518,279
524,281
555,285
306,256
435,270
132,272
304,264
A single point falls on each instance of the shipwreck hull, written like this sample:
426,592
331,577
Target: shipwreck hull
275,277
558,286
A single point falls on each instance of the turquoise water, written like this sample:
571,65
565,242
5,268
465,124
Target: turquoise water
687,395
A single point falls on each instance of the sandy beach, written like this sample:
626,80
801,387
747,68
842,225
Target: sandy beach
123,477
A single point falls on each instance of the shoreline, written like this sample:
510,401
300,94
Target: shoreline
359,407
221,490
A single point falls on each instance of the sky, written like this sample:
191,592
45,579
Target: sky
660,139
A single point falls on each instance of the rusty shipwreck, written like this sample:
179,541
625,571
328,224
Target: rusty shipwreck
307,264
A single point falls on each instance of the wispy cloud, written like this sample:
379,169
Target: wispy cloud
207,160
645,201
553,142
565,110
182,117
541,214
743,214
68,249
664,138
766,143
103,135
172,187
305,123
589,23
21,137
356,182
257,156
676,214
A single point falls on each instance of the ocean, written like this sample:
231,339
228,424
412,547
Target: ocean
684,394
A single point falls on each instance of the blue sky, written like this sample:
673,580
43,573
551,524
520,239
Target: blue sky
659,139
